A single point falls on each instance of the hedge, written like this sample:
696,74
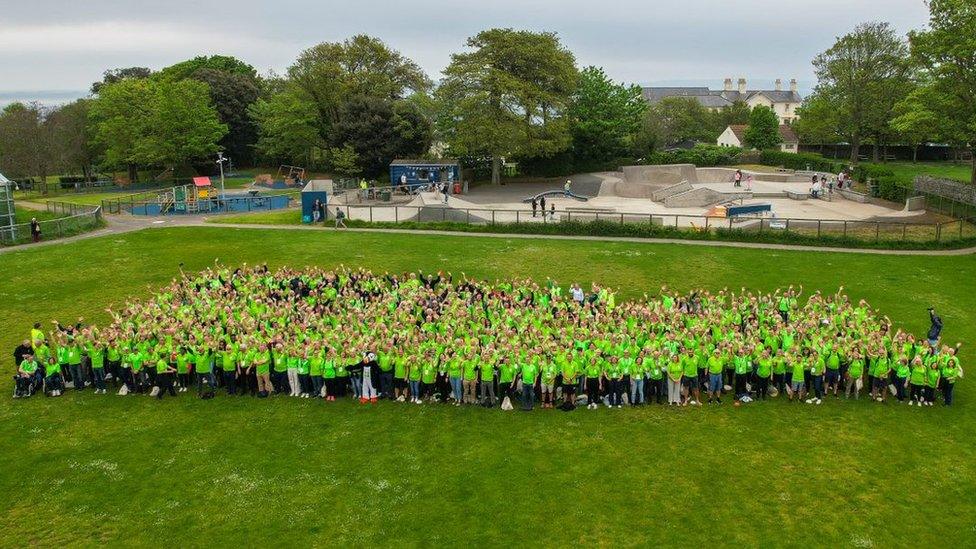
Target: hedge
800,161
701,155
650,230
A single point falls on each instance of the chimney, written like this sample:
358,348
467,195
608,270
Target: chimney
793,85
728,84
742,86
779,84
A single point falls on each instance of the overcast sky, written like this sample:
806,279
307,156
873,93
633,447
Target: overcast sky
51,49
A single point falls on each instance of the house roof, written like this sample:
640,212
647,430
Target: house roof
786,133
201,181
717,98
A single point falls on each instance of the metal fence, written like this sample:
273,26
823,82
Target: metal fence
868,231
78,219
148,203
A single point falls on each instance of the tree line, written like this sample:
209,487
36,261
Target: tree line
878,88
351,107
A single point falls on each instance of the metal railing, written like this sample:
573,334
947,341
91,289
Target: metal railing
81,219
867,231
148,203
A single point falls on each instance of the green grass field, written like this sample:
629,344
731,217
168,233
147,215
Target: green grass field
87,469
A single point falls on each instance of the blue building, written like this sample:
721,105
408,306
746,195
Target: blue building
420,173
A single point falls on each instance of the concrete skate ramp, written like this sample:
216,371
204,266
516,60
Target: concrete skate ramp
663,174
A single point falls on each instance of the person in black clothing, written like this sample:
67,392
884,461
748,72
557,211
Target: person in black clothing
20,352
936,329
535,205
370,370
35,229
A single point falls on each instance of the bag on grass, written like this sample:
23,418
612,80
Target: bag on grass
155,391
507,404
123,390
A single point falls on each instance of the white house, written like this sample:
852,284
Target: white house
734,136
784,103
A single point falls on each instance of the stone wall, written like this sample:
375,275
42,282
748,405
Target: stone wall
953,190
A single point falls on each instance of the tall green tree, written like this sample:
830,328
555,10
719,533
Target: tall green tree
232,95
604,117
947,49
379,130
734,114
917,118
676,119
116,75
25,141
73,146
508,96
156,123
763,130
818,122
862,75
329,74
222,63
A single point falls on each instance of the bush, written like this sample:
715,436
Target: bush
702,156
799,161
651,230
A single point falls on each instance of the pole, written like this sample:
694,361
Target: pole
220,162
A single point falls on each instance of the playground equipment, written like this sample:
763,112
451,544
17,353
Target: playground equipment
198,197
294,173
7,219
556,192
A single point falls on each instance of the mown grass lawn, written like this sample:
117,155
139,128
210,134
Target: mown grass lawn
87,469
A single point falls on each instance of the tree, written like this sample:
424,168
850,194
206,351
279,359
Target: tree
509,96
329,74
817,120
676,119
117,75
861,75
25,143
917,118
735,114
604,117
156,123
946,50
763,130
288,127
73,148
379,130
232,95
223,63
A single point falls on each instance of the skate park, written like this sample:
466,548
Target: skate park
677,195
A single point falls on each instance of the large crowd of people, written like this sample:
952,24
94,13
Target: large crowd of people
423,338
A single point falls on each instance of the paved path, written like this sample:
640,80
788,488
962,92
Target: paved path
120,224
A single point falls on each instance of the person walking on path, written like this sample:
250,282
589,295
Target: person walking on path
35,230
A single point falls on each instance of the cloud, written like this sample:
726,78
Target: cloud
635,40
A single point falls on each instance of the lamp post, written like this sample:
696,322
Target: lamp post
220,162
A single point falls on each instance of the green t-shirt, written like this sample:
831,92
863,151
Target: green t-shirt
28,366
97,356
161,366
201,362
529,372
764,368
715,364
262,360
